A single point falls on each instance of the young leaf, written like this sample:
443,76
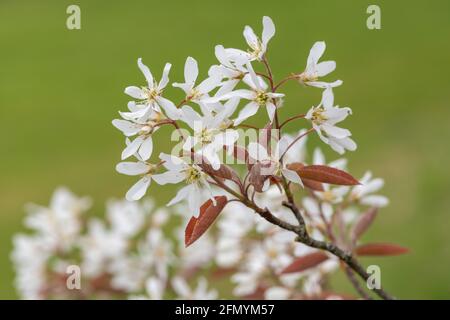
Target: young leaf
208,214
224,172
363,223
380,249
305,262
311,184
326,174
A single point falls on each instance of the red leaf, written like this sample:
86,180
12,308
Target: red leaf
327,174
363,223
311,184
224,172
380,249
305,262
208,213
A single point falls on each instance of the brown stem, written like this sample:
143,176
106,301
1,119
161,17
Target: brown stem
299,116
356,284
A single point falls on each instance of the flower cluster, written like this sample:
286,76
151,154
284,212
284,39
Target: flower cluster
126,254
131,253
213,127
286,221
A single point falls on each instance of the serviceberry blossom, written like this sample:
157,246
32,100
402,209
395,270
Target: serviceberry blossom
257,45
315,69
363,192
258,95
211,134
252,206
324,118
150,96
197,189
200,92
271,163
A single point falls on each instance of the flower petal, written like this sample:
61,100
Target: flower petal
146,149
190,71
137,191
147,74
268,30
132,147
135,92
132,168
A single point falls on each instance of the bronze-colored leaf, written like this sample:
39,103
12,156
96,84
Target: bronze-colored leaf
363,223
326,174
208,214
380,249
306,262
311,184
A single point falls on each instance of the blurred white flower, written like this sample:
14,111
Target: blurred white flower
363,192
201,292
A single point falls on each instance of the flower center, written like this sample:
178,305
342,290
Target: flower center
195,94
193,175
205,136
151,94
308,77
328,196
261,98
318,116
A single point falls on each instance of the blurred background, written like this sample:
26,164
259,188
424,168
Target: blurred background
60,89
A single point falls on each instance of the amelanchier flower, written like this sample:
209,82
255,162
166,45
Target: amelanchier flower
231,69
137,168
197,190
315,69
201,292
200,92
143,143
324,118
271,163
259,97
210,132
363,193
258,46
151,95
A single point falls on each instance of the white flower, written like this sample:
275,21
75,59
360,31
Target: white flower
201,292
324,118
271,164
231,69
197,190
126,218
277,293
232,229
258,95
60,223
363,192
258,46
155,288
209,135
146,170
314,69
143,144
100,246
151,95
196,93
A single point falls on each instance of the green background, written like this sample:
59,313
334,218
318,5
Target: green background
60,89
